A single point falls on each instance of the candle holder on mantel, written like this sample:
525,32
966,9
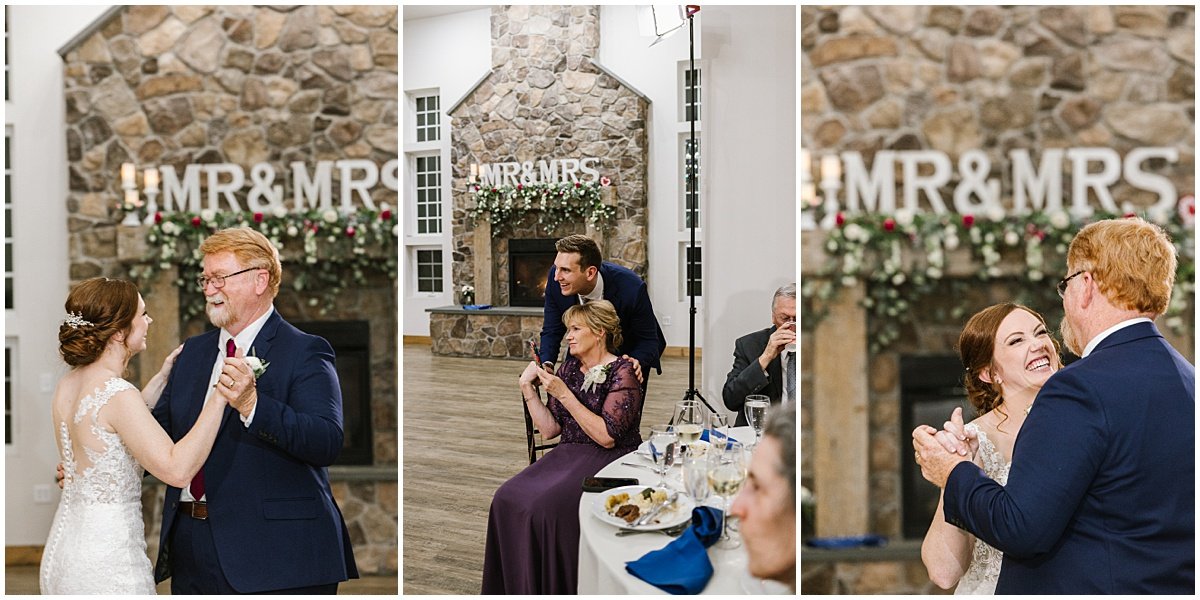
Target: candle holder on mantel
150,181
130,202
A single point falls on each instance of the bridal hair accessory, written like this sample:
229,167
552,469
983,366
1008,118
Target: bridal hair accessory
75,320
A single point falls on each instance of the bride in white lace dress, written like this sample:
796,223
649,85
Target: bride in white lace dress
1008,354
106,437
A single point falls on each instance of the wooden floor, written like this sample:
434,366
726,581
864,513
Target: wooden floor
464,435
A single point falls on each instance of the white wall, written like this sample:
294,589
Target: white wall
749,161
451,53
654,72
36,115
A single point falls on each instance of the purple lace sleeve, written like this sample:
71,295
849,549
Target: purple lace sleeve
622,410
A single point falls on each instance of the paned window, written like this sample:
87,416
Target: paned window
429,270
691,191
429,194
428,119
8,394
691,94
696,288
8,219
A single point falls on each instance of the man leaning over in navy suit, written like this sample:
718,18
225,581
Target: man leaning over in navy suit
1101,495
579,275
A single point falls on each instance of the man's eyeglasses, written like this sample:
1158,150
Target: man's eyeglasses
1062,284
218,281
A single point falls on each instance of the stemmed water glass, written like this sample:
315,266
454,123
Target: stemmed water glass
756,414
726,472
688,421
718,427
695,476
662,440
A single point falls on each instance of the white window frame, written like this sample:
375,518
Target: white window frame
681,166
10,382
682,89
9,277
683,272
415,279
414,215
418,114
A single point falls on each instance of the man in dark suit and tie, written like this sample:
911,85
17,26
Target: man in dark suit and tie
259,517
759,358
579,275
1101,495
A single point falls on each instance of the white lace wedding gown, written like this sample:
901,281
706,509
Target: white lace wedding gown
981,576
97,542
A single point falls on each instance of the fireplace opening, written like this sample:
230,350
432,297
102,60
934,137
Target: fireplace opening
529,261
930,388
351,341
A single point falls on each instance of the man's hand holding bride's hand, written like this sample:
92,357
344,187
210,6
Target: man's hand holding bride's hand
938,452
236,383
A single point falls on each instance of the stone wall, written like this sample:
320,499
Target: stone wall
953,78
483,334
159,85
545,98
212,84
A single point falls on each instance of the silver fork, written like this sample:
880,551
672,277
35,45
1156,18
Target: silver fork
674,531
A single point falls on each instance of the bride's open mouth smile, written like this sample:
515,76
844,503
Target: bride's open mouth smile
1038,364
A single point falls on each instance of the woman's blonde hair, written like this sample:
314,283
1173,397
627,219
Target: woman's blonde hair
597,315
251,248
1132,261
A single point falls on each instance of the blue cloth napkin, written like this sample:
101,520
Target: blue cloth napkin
477,306
854,541
682,567
704,435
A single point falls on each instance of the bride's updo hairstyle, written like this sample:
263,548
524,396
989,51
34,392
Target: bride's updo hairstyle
597,315
103,307
976,347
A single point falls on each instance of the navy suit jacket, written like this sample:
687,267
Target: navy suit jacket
643,339
1101,495
273,518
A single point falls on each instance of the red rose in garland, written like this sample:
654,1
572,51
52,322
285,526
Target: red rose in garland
258,217
840,219
889,224
195,221
968,220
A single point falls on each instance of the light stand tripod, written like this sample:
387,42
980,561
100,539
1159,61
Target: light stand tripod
694,194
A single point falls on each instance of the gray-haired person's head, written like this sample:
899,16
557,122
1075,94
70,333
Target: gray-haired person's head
781,425
787,291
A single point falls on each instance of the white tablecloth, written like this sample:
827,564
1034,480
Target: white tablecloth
602,555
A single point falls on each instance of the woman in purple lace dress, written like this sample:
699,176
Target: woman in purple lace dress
595,404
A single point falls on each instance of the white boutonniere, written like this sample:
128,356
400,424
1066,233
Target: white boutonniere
594,375
257,365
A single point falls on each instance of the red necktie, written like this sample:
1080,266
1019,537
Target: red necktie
197,485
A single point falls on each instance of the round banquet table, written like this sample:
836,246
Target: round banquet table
602,555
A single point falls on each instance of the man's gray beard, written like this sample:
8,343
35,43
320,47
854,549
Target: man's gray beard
1069,338
222,320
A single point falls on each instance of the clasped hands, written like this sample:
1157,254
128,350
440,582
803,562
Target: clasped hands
938,452
536,376
236,385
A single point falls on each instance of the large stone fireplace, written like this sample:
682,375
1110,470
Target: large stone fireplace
545,98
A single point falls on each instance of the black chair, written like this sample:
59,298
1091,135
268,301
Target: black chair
531,431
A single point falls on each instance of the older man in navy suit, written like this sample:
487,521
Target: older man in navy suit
579,275
260,516
1101,495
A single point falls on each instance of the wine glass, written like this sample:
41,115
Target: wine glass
662,441
756,414
689,421
726,472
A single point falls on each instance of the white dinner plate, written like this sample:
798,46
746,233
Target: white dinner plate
679,512
644,450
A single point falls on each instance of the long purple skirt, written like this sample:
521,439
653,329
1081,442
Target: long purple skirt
533,526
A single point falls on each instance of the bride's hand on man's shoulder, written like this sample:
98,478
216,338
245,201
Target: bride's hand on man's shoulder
169,361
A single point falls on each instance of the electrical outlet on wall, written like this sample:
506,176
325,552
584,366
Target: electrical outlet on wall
43,494
666,321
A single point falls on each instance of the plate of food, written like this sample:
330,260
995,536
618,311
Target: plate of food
623,506
699,446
